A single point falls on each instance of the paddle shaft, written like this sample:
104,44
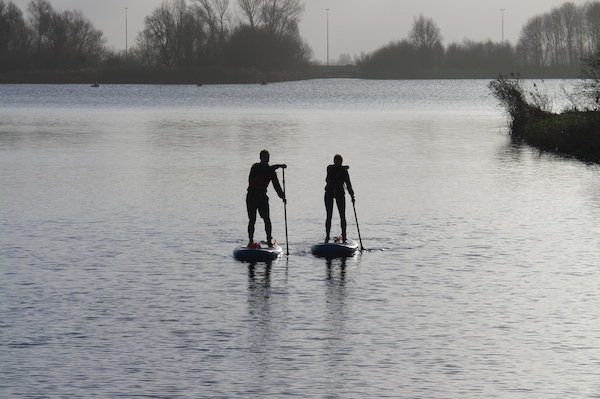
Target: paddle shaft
357,228
287,248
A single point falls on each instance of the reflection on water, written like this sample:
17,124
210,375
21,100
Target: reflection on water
342,269
259,290
121,205
337,348
261,332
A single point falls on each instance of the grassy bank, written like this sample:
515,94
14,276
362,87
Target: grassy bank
570,133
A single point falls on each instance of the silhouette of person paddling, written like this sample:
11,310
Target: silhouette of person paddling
337,176
261,174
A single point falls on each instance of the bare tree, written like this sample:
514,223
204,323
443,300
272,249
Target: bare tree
153,41
554,38
216,14
14,36
76,41
281,16
40,18
530,47
174,35
569,22
64,40
425,33
426,38
592,25
251,9
561,37
591,85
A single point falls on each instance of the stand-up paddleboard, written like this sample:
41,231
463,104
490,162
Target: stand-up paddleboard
335,249
258,252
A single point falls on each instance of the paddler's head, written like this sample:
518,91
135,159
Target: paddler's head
264,156
337,159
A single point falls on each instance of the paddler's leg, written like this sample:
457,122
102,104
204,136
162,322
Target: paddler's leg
329,211
263,211
251,206
341,205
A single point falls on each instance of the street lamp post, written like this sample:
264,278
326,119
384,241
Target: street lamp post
126,44
327,10
502,12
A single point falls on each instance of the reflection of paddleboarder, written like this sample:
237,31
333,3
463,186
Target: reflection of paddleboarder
337,176
261,174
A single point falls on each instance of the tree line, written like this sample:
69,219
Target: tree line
263,35
561,37
552,44
47,40
260,34
206,33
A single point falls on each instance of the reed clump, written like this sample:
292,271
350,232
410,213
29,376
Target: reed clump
512,96
574,132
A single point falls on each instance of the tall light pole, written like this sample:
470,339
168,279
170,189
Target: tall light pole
327,10
502,12
126,44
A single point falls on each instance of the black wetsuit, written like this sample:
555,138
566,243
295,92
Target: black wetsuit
261,175
337,176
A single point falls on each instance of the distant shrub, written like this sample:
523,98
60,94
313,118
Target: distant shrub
573,133
256,47
590,88
510,93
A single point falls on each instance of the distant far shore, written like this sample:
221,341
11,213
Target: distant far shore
197,76
216,75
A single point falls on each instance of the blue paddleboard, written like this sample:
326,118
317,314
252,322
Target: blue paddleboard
336,249
260,253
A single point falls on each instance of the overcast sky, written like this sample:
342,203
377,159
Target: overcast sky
355,26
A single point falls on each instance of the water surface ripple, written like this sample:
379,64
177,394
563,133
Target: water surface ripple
121,205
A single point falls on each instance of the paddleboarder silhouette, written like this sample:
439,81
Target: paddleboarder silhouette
337,176
261,174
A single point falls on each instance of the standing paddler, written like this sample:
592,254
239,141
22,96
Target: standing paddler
261,174
337,177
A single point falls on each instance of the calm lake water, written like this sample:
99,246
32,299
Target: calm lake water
120,207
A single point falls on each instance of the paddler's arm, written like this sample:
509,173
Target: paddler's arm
349,184
251,175
276,184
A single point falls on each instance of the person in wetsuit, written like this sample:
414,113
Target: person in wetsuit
337,176
261,174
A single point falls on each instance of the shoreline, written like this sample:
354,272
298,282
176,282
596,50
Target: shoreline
574,134
571,133
218,75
